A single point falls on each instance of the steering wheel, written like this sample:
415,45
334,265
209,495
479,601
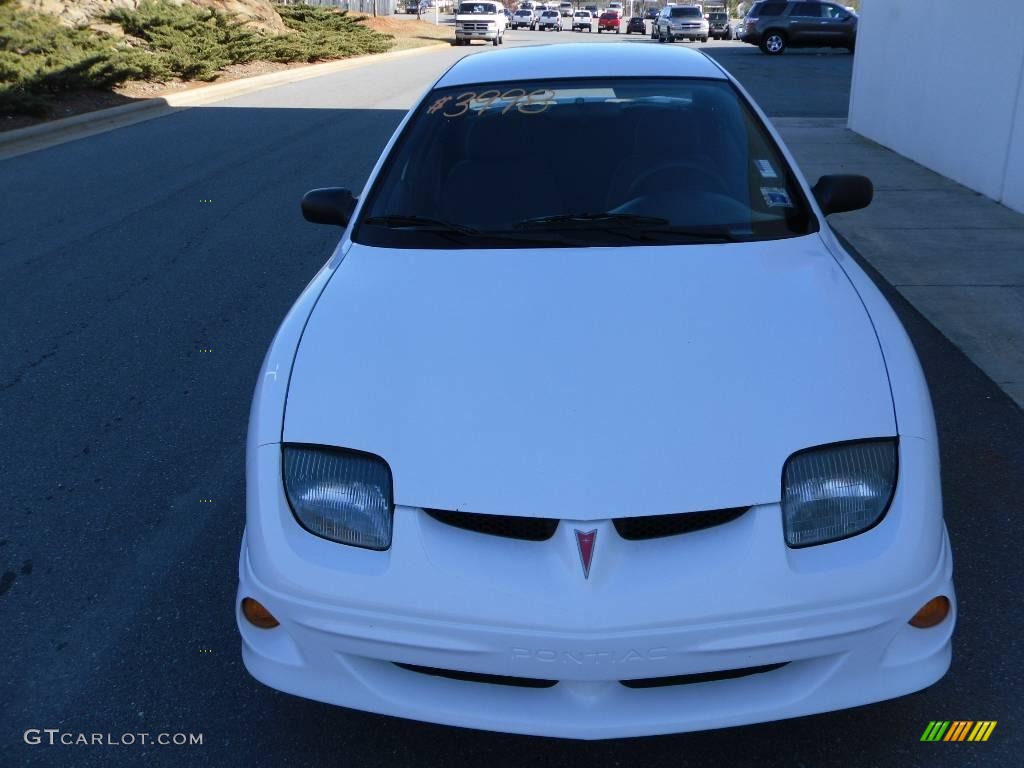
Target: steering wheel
675,170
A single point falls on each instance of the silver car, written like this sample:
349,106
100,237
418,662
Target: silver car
681,22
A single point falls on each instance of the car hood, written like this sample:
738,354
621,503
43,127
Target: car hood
588,383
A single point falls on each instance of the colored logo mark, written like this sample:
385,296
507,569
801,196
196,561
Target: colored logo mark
959,730
585,542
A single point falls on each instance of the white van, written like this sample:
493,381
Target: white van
565,9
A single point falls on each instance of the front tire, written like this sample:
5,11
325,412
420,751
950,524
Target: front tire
774,43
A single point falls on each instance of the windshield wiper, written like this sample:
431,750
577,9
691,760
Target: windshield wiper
424,223
462,234
710,235
591,220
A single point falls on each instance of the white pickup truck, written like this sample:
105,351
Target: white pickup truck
523,18
582,19
480,21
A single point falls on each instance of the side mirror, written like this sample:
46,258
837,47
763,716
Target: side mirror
843,192
330,205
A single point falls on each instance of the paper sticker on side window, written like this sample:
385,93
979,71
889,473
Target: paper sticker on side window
776,197
767,172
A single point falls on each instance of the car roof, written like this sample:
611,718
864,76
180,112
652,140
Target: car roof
571,60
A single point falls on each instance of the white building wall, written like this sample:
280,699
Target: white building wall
943,84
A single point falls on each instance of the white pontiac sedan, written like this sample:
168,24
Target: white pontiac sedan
592,450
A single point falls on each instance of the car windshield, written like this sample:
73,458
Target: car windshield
717,17
676,13
478,8
717,176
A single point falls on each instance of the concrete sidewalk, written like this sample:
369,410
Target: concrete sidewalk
956,255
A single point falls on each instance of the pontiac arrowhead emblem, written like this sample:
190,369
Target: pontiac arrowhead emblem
585,543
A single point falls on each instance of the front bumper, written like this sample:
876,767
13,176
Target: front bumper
725,598
489,34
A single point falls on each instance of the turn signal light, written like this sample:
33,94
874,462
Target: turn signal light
257,615
931,613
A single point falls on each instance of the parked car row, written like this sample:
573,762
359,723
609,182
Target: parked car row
773,25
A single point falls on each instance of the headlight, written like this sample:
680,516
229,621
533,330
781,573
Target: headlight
344,496
836,491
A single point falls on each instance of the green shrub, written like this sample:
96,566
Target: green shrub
324,33
39,56
194,42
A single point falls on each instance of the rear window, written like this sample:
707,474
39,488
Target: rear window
676,13
478,8
812,10
723,181
767,9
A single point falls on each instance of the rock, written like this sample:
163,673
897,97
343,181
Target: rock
258,13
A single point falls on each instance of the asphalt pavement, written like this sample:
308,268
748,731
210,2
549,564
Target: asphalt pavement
143,273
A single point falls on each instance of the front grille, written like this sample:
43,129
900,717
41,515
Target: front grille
474,26
477,677
630,528
702,677
511,527
660,526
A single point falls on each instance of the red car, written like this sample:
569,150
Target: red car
609,21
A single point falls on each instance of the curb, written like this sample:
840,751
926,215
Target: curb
35,137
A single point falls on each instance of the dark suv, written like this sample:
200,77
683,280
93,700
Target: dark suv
775,25
718,25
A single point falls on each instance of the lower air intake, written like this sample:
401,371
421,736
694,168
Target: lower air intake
703,677
477,677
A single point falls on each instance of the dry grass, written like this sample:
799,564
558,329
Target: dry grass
410,32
